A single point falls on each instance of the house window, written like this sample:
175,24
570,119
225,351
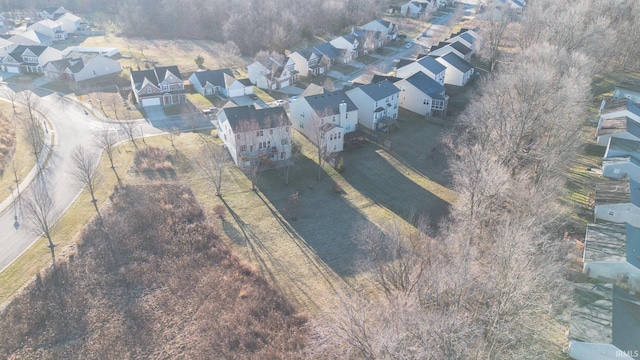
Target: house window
395,106
238,136
334,118
611,212
148,89
348,127
346,116
269,143
270,131
260,133
283,155
262,145
243,147
284,141
339,134
302,114
251,148
330,136
616,171
301,126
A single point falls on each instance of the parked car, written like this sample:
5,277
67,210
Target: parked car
279,102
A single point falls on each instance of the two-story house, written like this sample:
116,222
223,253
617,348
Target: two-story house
31,37
50,28
159,86
456,47
468,37
310,62
6,47
256,137
273,74
52,12
377,104
29,59
70,22
347,46
618,201
425,64
389,29
327,118
459,71
78,66
221,81
421,94
327,50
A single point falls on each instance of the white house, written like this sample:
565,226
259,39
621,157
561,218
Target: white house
52,12
29,59
309,62
627,92
70,23
327,117
619,127
222,81
256,137
459,71
389,29
377,104
467,37
347,46
50,28
411,9
159,86
6,47
31,37
274,75
604,323
612,254
456,47
618,201
79,66
618,108
425,64
621,167
421,94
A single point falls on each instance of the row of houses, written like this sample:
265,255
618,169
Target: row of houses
605,323
316,60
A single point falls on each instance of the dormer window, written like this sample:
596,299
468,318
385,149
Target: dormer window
149,89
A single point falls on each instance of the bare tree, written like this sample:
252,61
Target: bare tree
31,101
496,19
212,161
13,96
131,131
115,103
273,62
38,211
86,173
107,140
316,131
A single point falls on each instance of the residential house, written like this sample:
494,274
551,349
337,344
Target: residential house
411,9
52,12
622,147
328,50
327,118
619,107
161,85
377,104
621,167
70,23
612,254
618,201
468,38
627,92
309,62
622,127
604,323
347,46
456,47
256,137
459,71
2,21
427,65
369,41
50,28
272,75
31,37
6,47
389,29
421,94
222,81
79,66
29,59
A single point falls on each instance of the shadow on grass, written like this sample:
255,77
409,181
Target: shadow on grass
324,220
375,178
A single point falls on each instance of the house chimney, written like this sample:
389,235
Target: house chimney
343,113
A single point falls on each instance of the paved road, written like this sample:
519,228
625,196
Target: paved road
72,128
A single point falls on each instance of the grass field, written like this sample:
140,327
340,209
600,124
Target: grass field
312,258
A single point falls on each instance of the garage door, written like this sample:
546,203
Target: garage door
150,101
13,70
284,83
236,92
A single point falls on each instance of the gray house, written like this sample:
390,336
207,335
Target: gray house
618,201
222,81
621,167
622,127
622,147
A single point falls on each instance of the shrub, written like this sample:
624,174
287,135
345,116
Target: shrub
152,158
340,166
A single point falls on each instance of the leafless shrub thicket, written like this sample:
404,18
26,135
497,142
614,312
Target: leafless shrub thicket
152,159
153,281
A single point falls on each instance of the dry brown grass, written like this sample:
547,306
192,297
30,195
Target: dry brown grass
152,159
152,280
7,140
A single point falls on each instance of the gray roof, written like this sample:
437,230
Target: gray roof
213,77
432,65
379,78
330,101
379,91
457,62
605,242
404,62
20,49
248,118
618,125
592,314
468,37
327,49
155,75
460,47
426,84
621,104
620,147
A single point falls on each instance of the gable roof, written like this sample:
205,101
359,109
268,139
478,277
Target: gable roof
327,49
69,16
214,77
625,146
611,192
618,125
620,105
611,242
32,38
312,89
154,76
457,45
457,62
379,91
592,314
243,117
426,84
330,101
37,50
432,65
384,23
380,78
404,62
